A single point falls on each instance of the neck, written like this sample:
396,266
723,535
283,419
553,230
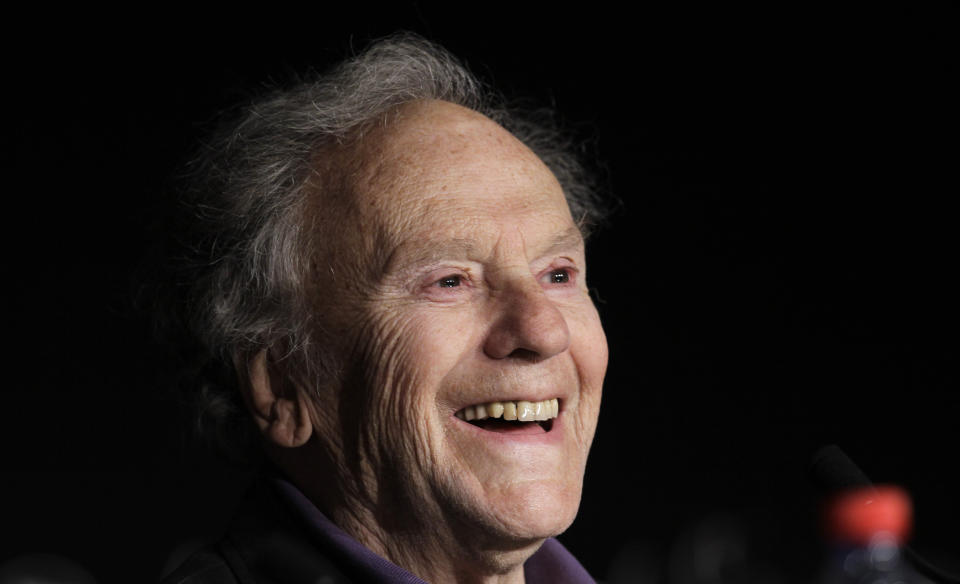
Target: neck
435,551
425,543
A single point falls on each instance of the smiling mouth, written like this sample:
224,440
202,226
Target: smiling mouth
512,416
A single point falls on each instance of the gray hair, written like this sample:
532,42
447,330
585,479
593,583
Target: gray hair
248,188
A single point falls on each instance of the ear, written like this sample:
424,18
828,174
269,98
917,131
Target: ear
279,407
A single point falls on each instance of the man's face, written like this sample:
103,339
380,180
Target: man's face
457,278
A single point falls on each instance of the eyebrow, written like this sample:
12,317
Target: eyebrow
567,239
570,238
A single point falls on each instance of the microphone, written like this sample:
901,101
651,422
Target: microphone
833,471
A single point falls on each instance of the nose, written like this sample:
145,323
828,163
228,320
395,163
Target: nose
528,326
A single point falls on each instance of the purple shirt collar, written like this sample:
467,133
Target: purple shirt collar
551,564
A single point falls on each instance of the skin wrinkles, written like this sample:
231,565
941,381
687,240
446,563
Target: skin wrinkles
442,190
412,259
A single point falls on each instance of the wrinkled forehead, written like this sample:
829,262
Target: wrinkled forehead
432,173
432,154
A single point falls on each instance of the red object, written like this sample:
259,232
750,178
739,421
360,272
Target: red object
857,517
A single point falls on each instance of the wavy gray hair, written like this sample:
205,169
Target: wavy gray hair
247,192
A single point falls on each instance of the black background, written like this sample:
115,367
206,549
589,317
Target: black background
779,275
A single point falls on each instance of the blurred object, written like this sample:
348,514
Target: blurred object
860,515
836,474
43,569
832,470
865,528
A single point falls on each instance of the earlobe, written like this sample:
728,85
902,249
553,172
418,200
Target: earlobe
278,406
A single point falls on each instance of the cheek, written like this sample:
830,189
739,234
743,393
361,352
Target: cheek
588,344
598,355
402,366
589,351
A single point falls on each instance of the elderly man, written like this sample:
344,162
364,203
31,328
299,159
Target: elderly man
394,284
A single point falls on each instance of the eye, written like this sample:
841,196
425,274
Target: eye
559,276
449,282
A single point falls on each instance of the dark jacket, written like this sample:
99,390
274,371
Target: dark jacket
263,543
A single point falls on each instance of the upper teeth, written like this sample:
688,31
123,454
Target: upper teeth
522,411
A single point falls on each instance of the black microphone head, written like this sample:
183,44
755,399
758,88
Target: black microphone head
832,470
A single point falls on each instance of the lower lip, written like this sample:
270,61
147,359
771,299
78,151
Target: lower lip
531,433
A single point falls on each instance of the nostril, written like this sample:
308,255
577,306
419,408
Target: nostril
525,355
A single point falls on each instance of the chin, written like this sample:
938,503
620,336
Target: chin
536,510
